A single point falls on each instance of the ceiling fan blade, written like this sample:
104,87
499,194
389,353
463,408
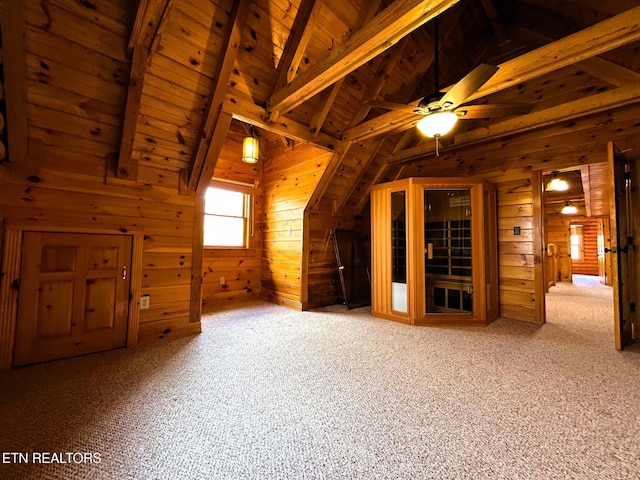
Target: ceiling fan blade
395,106
496,110
467,85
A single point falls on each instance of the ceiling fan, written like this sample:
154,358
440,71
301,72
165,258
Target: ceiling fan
441,110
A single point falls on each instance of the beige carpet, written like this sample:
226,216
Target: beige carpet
269,393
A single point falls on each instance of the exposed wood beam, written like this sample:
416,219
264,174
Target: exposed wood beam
330,94
151,18
242,108
344,198
297,41
127,166
201,155
598,67
609,72
324,105
600,102
406,136
494,18
148,19
213,151
164,21
599,38
387,28
372,91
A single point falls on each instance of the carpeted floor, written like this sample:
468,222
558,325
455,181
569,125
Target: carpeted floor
269,393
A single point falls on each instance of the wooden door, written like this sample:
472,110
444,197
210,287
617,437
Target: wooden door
74,295
621,246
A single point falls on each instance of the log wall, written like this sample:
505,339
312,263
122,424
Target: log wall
588,265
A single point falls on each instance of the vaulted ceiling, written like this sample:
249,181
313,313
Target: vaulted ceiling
304,71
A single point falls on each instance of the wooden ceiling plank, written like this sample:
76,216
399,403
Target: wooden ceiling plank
600,102
398,20
329,95
244,109
599,38
297,42
344,199
404,139
232,42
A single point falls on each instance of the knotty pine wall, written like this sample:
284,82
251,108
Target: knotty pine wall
515,252
290,178
76,90
242,268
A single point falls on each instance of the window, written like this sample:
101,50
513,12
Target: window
577,249
227,217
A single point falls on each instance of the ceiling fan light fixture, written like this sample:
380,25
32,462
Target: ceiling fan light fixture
437,124
569,209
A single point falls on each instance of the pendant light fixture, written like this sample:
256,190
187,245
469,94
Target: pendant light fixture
569,209
556,184
250,147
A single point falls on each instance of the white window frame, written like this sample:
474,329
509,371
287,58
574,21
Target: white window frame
248,224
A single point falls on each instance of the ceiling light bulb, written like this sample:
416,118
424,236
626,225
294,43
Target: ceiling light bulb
437,124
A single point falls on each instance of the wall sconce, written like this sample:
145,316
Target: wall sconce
556,184
250,148
569,209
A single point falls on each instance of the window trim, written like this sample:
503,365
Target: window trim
249,220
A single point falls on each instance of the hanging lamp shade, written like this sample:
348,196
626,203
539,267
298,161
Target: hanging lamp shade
556,184
569,209
437,124
250,148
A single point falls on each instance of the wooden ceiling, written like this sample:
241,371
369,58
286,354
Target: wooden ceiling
303,71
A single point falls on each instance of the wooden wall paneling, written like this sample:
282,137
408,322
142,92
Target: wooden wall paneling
558,230
539,248
517,289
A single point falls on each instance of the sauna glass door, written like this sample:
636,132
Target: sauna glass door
447,250
399,300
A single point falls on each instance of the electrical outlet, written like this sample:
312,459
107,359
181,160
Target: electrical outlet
223,281
144,302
